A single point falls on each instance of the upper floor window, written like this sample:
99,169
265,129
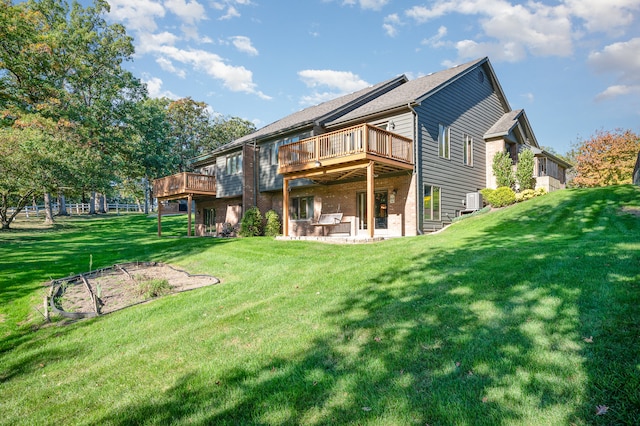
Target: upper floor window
467,148
275,147
444,136
233,163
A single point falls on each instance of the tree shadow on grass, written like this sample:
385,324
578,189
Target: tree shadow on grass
29,261
447,340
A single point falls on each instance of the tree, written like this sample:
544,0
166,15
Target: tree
607,158
189,129
524,170
36,157
503,169
63,65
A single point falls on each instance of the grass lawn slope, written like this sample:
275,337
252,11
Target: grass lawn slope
526,315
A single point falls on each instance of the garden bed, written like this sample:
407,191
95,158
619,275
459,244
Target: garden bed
110,289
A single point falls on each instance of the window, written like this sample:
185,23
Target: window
444,134
431,202
302,208
275,147
467,156
233,163
542,166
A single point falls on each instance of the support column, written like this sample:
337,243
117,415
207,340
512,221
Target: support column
159,218
285,207
189,202
370,199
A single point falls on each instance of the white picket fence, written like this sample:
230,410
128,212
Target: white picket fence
77,208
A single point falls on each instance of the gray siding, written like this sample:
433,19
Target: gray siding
227,185
468,106
402,123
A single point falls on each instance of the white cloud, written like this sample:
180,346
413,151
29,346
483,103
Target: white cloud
623,60
154,87
137,15
343,81
243,44
436,40
189,11
391,22
230,7
532,27
234,78
148,42
604,16
367,4
168,66
617,90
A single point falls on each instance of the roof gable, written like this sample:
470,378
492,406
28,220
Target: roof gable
415,91
511,123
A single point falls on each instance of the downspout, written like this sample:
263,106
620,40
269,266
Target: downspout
256,165
416,166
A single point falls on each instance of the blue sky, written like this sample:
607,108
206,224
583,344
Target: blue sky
573,65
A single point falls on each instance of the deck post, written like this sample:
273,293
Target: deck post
285,207
189,202
159,218
370,199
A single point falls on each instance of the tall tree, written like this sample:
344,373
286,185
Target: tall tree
607,158
189,129
63,64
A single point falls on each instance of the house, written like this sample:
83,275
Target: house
398,158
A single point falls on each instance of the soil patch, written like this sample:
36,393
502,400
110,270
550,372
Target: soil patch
120,286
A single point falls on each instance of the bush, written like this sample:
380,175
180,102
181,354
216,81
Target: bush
251,224
154,287
524,170
541,191
273,224
503,196
527,194
486,194
503,169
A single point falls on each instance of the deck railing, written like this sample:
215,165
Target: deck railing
347,142
183,183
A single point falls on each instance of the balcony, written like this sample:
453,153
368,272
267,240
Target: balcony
184,184
341,154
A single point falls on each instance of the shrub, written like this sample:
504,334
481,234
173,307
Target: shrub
486,194
541,191
273,224
527,194
154,287
501,197
524,170
503,170
251,224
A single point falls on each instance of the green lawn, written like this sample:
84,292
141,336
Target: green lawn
528,315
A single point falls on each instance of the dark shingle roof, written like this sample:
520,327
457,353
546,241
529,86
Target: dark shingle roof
317,114
504,125
413,92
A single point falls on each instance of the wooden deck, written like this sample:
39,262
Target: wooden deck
184,184
340,153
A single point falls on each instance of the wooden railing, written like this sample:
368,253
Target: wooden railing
362,139
184,183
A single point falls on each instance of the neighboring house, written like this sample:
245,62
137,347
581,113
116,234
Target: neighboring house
399,158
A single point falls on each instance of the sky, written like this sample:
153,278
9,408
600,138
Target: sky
573,65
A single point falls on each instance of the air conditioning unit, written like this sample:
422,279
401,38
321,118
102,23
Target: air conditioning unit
474,201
